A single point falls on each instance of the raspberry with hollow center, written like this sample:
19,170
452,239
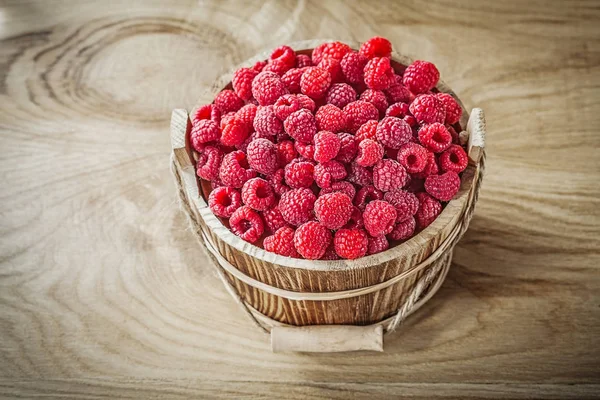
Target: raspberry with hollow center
403,230
234,170
273,219
204,131
282,242
258,194
208,111
277,182
266,121
299,174
454,158
330,118
247,224
367,131
224,200
406,203
327,146
413,157
305,150
348,148
376,47
393,132
286,152
335,50
314,82
420,76
377,98
267,87
453,109
209,161
379,217
389,175
333,209
358,112
359,175
341,186
227,101
285,105
311,240
301,125
399,110
291,79
326,173
377,245
297,205
429,209
427,109
242,82
435,137
443,187
369,153
285,55
340,94
379,74
351,243
353,65
234,132
365,195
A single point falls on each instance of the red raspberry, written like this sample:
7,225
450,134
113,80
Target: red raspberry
335,50
399,110
234,132
299,174
327,145
209,161
311,240
379,217
314,82
284,54
393,132
235,170
330,254
427,109
353,65
277,66
367,131
227,101
420,76
282,242
247,224
377,245
406,203
333,209
209,111
203,131
398,94
259,65
273,219
356,219
302,60
403,230
262,156
285,105
413,157
277,182
286,152
225,119
306,102
297,205
267,87
369,153
379,74
255,135
351,243
454,158
291,79
258,194
224,200
453,109
340,94
376,47
359,175
429,209
330,118
301,125
389,175
435,137
341,186
430,169
332,66
348,148
305,150
443,187
377,98
365,195
242,82
328,172
247,114
358,112
266,122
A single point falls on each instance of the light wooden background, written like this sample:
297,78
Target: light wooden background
104,293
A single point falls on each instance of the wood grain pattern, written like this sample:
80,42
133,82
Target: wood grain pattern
104,293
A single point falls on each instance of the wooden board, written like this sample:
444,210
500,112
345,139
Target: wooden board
104,293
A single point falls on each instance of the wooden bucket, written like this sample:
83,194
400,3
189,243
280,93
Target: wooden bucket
339,305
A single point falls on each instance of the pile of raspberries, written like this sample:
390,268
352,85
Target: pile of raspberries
332,154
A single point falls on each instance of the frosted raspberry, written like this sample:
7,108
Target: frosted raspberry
209,161
299,174
301,125
247,114
277,66
377,98
277,182
413,157
259,65
443,187
255,135
234,132
351,243
340,94
326,173
311,240
403,230
235,170
306,102
262,156
365,195
335,50
399,110
398,94
284,54
286,152
358,112
435,137
227,101
454,158
356,219
297,205
377,245
258,194
225,119
393,132
429,209
291,79
453,109
376,47
302,60
203,131
427,109
369,153
330,253
314,82
406,203
333,210
209,111
247,224
389,175
273,219
341,186
359,175
353,65
420,76
348,148
430,169
282,242
379,217
267,87
242,82
224,200
286,105
379,74
330,118
367,131
266,122
305,150
327,145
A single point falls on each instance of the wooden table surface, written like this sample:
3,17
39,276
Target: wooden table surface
103,292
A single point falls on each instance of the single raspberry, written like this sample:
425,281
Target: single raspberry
277,66
247,114
284,54
356,219
203,131
208,111
299,174
277,181
305,150
454,158
359,175
234,132
379,217
286,152
314,82
301,125
351,243
209,161
453,109
348,148
403,230
285,105
399,110
389,175
353,65
393,132
377,98
332,66
273,219
341,186
406,203
443,187
291,79
398,94
225,119
435,137
376,47
330,253
311,240
327,145
266,122
258,194
333,209
365,195
247,224
413,157
369,153
368,130
255,135
306,102
262,156
358,112
377,245
259,65
420,77
427,109
267,87
297,205
335,50
430,169
330,118
429,209
224,200
302,60
379,74
282,242
242,82
326,173
227,101
340,94
234,170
